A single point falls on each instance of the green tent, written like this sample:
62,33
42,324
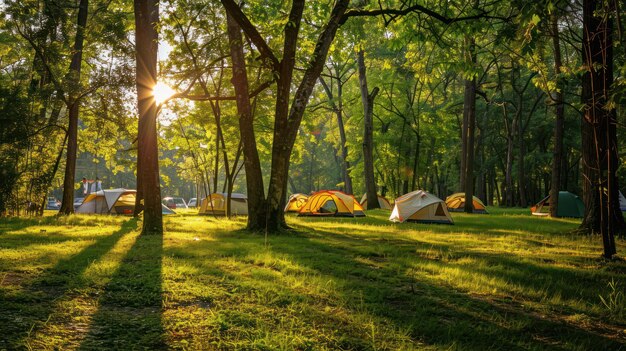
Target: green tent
570,205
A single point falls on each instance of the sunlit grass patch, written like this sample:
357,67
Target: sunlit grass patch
506,280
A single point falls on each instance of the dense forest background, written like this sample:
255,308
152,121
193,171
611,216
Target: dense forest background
521,58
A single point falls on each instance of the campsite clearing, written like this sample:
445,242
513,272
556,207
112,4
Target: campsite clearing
508,280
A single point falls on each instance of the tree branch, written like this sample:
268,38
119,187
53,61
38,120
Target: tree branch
251,32
205,97
416,8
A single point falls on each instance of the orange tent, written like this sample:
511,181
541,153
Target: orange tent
295,202
456,203
331,203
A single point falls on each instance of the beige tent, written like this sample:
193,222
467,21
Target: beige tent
382,201
215,204
420,206
112,201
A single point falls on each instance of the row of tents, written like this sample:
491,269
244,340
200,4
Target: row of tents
455,202
419,206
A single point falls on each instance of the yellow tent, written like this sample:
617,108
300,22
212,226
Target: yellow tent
215,204
295,202
382,201
456,203
331,203
422,207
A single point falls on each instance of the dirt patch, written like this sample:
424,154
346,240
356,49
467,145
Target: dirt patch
13,278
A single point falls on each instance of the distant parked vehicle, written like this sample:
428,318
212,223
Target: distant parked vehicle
193,202
174,202
53,204
78,201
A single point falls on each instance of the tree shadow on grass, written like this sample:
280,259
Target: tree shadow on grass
439,314
19,223
129,312
30,307
535,272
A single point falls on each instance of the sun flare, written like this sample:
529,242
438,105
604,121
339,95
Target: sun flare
162,92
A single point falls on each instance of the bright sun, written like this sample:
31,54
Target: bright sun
162,92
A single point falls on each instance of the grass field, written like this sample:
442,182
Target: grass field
506,281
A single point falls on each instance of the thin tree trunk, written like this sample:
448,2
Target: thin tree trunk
416,159
462,172
481,191
508,192
521,171
367,99
73,104
146,41
252,163
338,109
469,116
599,125
559,125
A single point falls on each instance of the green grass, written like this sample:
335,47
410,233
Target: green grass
505,281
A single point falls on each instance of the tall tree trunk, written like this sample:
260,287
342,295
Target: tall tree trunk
481,182
521,170
463,145
252,163
469,117
146,42
599,125
508,185
559,124
73,105
416,159
367,99
345,164
216,167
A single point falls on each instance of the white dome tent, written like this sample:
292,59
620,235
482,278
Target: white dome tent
422,207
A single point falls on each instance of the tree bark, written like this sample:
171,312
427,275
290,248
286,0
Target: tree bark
599,125
146,42
559,124
73,105
252,163
367,99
